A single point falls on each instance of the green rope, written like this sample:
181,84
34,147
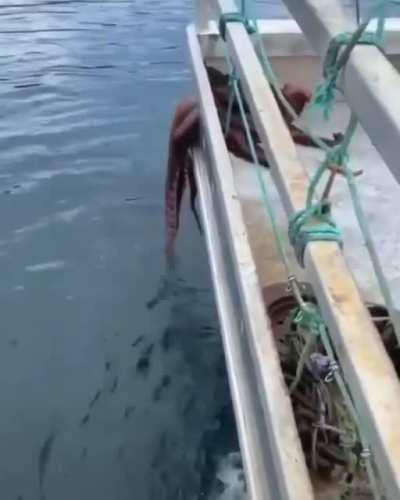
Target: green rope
276,84
353,412
312,224
326,91
235,17
306,320
232,79
244,6
337,156
309,319
336,60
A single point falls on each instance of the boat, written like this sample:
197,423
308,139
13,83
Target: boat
252,288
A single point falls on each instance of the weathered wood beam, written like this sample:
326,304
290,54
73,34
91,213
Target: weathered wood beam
367,369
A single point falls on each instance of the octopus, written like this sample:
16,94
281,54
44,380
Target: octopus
185,133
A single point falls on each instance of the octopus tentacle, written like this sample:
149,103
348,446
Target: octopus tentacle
236,142
173,200
185,133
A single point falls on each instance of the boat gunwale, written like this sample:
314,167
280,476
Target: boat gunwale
288,465
329,305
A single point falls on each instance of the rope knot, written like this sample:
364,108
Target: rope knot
235,17
339,155
325,96
314,223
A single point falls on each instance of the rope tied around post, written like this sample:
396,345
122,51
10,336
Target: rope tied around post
339,51
235,17
313,223
336,57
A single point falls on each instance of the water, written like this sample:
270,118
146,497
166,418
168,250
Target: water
105,394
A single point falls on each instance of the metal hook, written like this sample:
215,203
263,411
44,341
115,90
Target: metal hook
333,368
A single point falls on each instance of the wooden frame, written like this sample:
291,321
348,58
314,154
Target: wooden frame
372,379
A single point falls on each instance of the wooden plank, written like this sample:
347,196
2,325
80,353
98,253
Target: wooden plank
371,90
290,469
371,378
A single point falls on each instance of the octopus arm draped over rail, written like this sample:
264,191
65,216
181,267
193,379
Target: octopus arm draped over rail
185,133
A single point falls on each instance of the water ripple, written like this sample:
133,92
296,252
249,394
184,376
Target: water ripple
87,92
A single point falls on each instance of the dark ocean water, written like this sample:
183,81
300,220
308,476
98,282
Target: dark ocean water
105,394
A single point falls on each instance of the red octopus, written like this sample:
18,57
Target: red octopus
185,133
